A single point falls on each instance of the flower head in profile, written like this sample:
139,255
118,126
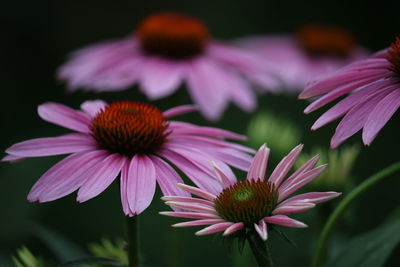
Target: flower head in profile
166,50
254,204
313,52
132,139
373,88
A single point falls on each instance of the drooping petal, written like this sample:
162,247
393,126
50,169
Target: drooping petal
215,228
49,146
198,223
261,229
259,164
124,190
189,200
92,107
284,221
64,116
175,111
191,206
189,214
233,228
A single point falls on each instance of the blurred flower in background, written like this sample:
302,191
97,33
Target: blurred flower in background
373,85
253,204
166,50
312,53
278,132
133,139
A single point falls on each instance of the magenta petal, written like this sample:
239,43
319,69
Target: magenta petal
380,115
12,158
261,229
191,206
312,197
100,176
284,221
64,116
284,166
124,191
167,178
92,107
198,223
49,146
215,228
293,207
233,228
64,177
304,168
141,183
198,192
188,200
221,176
189,214
175,111
259,164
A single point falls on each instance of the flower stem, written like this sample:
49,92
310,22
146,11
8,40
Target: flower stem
322,246
133,241
260,250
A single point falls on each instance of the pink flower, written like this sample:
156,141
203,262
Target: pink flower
373,85
133,139
254,203
314,52
166,50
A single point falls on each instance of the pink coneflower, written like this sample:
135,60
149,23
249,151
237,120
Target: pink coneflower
254,203
315,51
130,138
166,50
374,87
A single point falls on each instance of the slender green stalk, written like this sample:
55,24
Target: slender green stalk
260,250
133,241
322,246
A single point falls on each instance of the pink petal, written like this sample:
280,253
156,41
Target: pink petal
198,223
49,146
233,228
287,189
191,206
188,200
64,116
160,78
304,168
261,229
283,168
222,177
189,214
293,207
167,178
198,192
380,115
100,176
141,184
124,191
65,177
234,158
312,197
215,228
284,221
175,111
259,164
12,158
92,107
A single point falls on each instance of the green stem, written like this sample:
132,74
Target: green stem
260,250
133,241
322,246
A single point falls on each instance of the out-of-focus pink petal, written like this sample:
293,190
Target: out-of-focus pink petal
198,223
92,107
189,214
65,177
284,166
215,228
284,221
261,229
124,190
64,116
233,228
141,183
49,146
259,164
100,176
160,77
380,115
12,158
175,111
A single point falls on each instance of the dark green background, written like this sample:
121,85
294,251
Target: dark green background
36,36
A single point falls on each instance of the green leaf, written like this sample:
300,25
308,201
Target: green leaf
92,260
370,249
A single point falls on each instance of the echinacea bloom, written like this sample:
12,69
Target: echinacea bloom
314,52
130,138
373,85
255,203
166,50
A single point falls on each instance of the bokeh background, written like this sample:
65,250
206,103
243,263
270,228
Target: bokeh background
36,36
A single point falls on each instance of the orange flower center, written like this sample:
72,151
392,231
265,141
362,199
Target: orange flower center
317,40
394,56
247,201
172,35
129,128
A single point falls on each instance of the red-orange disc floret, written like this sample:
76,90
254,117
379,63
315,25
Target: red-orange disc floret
172,35
394,57
321,40
129,128
247,201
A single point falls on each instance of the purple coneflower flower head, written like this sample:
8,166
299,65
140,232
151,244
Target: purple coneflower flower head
373,88
312,53
166,50
255,203
133,139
